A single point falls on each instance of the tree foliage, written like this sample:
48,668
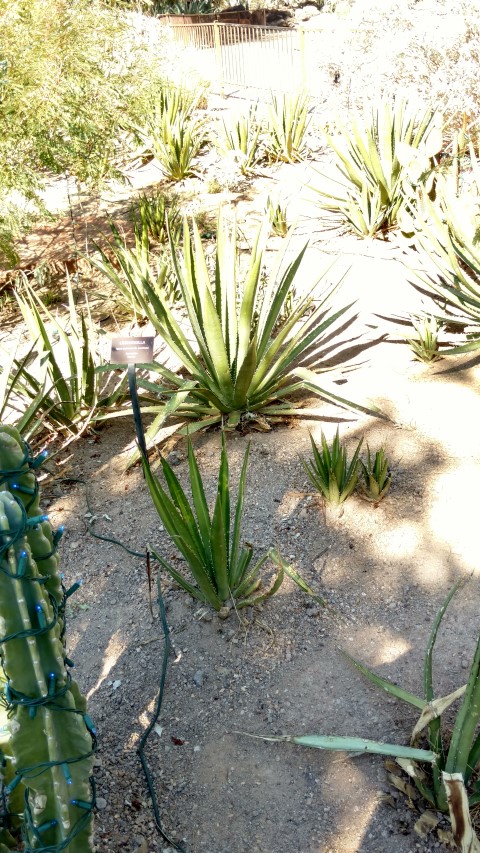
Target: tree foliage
69,73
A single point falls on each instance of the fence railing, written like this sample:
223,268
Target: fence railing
260,57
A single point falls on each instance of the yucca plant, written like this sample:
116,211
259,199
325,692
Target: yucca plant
175,143
136,272
70,391
330,472
425,344
235,365
149,213
288,124
451,785
447,236
375,476
379,161
210,543
240,135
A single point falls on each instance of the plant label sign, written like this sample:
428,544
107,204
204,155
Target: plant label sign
132,350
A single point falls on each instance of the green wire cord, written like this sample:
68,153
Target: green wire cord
163,618
12,698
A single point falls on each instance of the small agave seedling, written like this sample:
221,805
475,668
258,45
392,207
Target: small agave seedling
277,214
329,471
425,344
376,477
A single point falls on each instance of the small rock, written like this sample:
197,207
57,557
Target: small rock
143,847
174,458
116,684
101,803
313,611
223,613
198,678
206,617
465,664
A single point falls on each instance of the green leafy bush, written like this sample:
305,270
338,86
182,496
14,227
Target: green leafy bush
73,72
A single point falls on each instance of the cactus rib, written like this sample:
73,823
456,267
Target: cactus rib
49,754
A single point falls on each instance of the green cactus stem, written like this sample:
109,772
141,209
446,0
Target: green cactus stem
50,749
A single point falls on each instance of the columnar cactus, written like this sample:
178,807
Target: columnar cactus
51,735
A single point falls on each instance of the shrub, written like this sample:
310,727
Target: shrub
72,71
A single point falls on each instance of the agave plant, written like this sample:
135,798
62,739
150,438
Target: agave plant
277,214
241,137
447,235
175,143
450,785
379,162
173,101
135,272
210,544
242,368
330,472
21,401
287,128
71,391
425,345
149,215
376,477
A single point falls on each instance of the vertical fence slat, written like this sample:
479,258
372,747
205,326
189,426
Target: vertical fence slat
261,57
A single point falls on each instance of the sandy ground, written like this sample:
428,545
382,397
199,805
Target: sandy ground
279,670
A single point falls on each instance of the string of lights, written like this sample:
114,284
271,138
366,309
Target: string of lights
52,739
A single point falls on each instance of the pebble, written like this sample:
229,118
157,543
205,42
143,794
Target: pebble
174,458
101,803
198,678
